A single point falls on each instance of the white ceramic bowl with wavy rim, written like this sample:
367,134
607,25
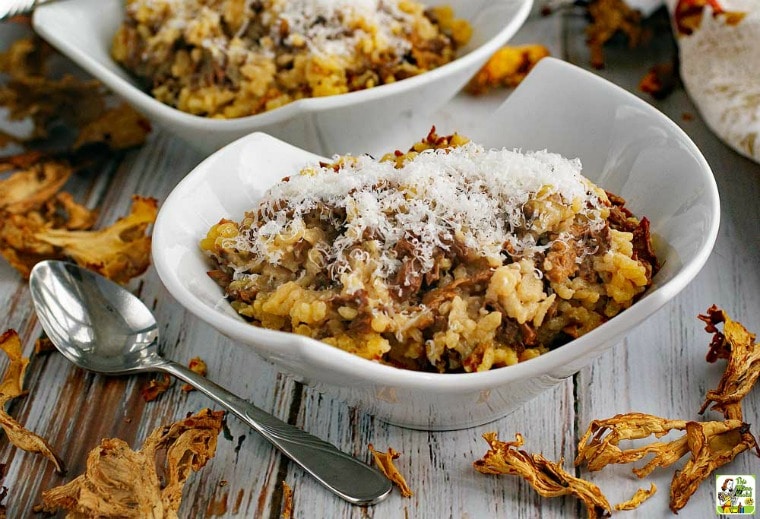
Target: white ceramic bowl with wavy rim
626,146
83,29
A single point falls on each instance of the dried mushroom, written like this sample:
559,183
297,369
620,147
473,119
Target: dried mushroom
660,80
639,497
385,463
549,479
507,67
43,345
119,252
196,365
287,501
38,220
32,92
11,387
599,445
709,445
156,387
119,128
121,482
31,188
738,346
610,17
712,445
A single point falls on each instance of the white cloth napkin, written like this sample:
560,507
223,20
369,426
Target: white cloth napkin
720,69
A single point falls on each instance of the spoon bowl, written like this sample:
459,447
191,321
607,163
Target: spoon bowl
102,327
95,323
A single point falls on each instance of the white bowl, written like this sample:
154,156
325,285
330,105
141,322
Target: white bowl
626,146
83,29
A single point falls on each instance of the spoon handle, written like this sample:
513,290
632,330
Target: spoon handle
351,479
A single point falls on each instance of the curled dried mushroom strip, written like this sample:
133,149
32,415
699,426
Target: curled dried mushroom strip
711,447
119,252
287,501
738,347
121,482
11,387
549,479
196,365
710,444
38,222
384,461
33,92
599,445
156,387
639,497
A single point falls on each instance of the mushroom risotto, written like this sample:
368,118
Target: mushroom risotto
232,58
449,257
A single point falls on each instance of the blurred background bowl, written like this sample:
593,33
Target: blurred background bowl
626,146
83,30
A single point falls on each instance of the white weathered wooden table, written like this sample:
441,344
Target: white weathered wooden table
659,369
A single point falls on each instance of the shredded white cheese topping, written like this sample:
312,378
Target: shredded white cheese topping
466,194
323,24
326,27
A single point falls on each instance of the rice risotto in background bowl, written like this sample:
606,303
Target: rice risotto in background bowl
278,82
626,147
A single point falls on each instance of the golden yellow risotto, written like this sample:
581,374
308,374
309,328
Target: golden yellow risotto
232,58
449,257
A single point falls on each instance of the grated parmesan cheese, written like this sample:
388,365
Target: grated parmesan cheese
324,24
326,27
469,195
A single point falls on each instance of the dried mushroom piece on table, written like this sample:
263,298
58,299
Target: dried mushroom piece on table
38,221
196,365
660,80
11,387
507,67
549,479
738,347
384,461
121,482
156,387
33,92
599,445
712,445
34,185
608,18
639,497
287,501
118,252
119,128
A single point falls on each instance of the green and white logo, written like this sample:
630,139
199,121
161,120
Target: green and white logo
735,494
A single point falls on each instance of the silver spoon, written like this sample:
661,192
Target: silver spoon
102,327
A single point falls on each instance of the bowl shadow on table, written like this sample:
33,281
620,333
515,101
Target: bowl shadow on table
625,145
83,30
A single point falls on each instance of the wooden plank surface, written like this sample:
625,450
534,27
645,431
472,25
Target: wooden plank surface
659,369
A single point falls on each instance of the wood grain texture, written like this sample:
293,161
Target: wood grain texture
659,368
